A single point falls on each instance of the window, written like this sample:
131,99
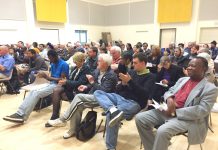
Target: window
81,36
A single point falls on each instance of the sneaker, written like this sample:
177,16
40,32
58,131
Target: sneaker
47,125
14,118
68,134
57,123
115,117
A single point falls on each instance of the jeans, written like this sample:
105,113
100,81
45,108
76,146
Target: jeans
31,100
108,100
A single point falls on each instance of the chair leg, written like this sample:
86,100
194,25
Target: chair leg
1,88
40,106
210,129
24,94
211,120
141,145
188,147
105,128
201,147
11,86
99,126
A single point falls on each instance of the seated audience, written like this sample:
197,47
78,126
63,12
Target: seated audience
115,52
67,88
168,51
189,104
168,75
36,64
129,48
187,50
104,79
6,62
154,58
59,70
178,58
92,59
35,47
125,64
209,74
21,49
213,49
194,52
131,96
145,49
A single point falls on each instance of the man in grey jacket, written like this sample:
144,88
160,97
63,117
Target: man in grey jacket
189,104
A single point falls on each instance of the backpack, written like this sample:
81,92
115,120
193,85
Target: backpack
14,81
87,127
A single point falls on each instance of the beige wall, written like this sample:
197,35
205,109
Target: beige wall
29,30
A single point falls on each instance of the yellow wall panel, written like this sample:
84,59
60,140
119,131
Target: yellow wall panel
174,11
51,10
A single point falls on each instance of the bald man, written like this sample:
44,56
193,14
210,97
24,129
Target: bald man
6,62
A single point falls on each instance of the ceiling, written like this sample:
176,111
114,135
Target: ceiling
111,2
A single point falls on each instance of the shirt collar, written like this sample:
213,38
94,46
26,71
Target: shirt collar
144,71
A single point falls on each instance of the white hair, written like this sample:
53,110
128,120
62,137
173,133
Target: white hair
106,58
116,48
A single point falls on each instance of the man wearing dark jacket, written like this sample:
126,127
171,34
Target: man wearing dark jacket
131,96
36,63
103,79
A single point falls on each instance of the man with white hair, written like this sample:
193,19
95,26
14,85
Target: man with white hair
6,62
103,79
115,52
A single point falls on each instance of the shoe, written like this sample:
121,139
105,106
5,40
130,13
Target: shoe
115,117
57,123
47,125
68,134
14,118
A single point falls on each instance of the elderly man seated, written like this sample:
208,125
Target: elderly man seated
6,62
189,104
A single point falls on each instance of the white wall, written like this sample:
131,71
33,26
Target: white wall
29,30
135,33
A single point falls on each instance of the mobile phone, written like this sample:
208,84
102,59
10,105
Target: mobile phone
122,68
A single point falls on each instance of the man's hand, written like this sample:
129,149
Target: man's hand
2,68
171,107
164,81
82,88
90,78
42,75
149,102
62,82
125,77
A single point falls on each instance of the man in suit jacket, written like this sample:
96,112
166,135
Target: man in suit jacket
189,104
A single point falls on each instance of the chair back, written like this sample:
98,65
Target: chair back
8,78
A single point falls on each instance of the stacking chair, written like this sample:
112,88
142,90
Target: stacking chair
37,84
6,80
